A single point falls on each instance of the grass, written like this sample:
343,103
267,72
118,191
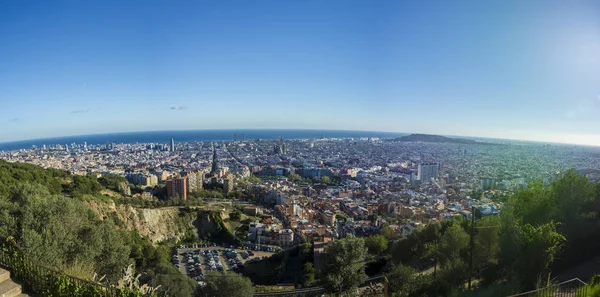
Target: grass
231,225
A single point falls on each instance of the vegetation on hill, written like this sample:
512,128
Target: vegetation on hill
345,265
226,284
13,174
540,232
58,231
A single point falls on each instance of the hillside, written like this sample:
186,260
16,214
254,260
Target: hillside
433,138
62,221
157,224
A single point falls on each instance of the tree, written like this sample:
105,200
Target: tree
376,244
454,274
415,246
81,185
326,179
538,247
387,231
63,233
571,194
226,284
452,242
373,217
487,242
308,275
344,265
293,177
235,215
112,181
402,280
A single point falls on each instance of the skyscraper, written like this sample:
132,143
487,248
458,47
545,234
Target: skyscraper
227,185
177,187
172,145
428,171
195,180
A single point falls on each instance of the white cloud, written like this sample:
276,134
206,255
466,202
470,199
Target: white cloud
80,111
179,107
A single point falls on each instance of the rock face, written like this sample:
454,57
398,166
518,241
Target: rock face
158,224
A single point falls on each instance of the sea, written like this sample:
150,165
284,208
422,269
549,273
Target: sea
195,135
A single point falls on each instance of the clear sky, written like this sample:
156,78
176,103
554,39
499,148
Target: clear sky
508,69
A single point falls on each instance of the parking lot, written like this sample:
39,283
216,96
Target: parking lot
194,260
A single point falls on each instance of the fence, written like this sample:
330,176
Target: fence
571,288
46,281
317,291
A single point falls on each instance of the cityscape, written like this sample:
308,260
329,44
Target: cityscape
321,190
336,148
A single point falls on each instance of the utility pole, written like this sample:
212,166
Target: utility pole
472,245
386,286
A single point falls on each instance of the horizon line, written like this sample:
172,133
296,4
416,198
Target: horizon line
293,129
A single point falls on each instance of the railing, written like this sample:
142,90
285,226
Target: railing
571,288
314,291
37,278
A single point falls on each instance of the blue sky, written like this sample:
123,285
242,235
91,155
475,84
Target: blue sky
509,69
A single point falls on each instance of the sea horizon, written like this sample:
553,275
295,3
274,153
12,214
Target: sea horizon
202,135
197,135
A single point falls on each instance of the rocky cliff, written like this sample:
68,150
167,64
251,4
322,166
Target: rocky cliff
161,224
158,224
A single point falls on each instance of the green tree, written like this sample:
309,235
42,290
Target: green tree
373,217
112,181
63,233
454,273
415,246
344,266
538,247
170,280
376,244
326,179
487,242
81,185
235,216
402,280
571,194
452,242
308,274
293,177
226,284
387,231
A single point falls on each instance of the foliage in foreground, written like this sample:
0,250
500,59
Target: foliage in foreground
541,230
225,284
61,233
345,265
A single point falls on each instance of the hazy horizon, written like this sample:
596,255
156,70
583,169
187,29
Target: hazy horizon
239,132
522,70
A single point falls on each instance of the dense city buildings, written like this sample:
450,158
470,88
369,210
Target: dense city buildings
428,172
325,189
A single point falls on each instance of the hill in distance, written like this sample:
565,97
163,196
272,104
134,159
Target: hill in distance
434,138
